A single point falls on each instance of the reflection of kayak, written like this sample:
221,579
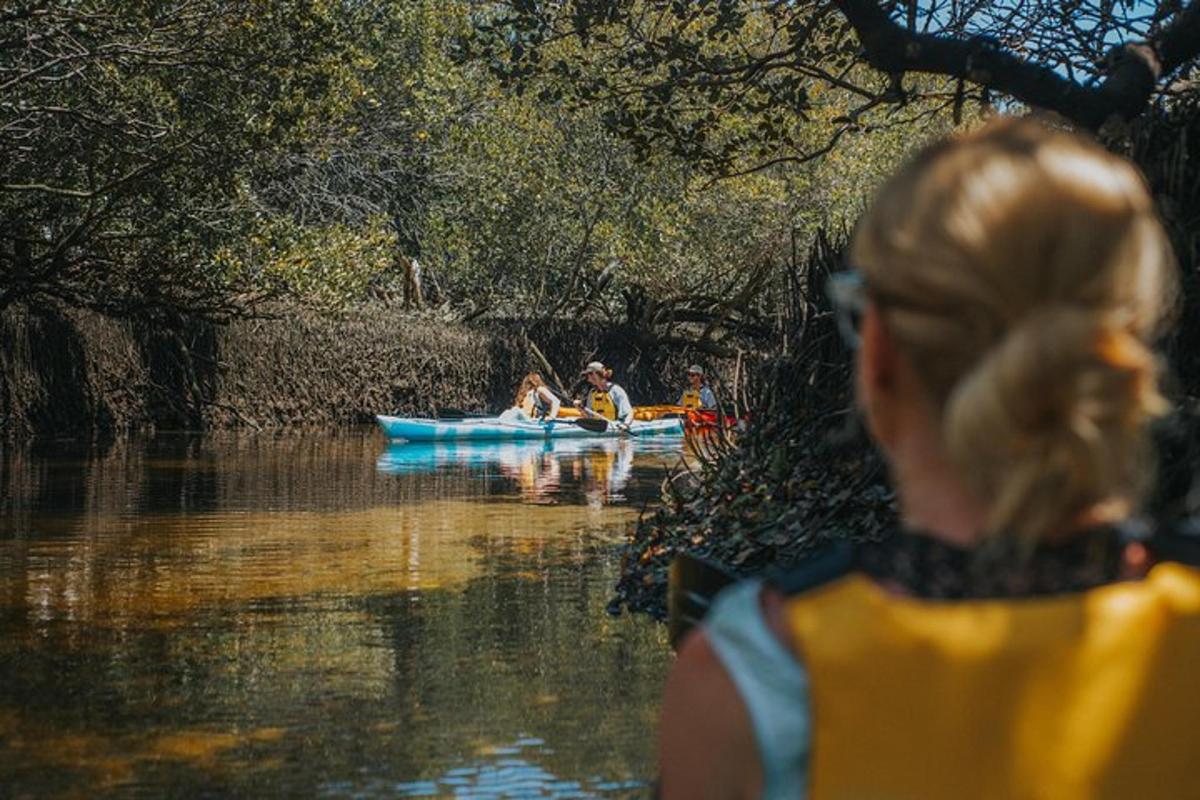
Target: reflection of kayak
403,457
420,456
484,428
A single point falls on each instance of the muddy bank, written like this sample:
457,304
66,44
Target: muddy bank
76,373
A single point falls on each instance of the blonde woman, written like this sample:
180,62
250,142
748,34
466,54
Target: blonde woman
1015,639
535,399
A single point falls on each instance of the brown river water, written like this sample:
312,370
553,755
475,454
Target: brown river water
324,616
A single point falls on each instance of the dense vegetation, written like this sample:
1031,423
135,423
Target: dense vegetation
644,159
211,157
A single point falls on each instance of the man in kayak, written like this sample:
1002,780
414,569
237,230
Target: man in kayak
606,400
698,396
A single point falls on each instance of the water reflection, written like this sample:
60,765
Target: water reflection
259,616
600,468
509,771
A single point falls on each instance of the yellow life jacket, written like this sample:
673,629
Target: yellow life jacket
602,404
690,398
1088,695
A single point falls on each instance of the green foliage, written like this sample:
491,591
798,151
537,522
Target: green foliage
727,86
125,131
327,264
209,156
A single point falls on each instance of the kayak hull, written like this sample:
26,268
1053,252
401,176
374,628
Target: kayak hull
412,429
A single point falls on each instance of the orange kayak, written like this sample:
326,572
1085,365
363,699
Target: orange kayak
694,419
646,413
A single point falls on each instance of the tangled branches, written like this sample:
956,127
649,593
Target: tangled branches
803,473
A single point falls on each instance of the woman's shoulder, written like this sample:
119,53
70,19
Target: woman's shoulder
740,648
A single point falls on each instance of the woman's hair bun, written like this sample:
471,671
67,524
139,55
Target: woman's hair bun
1051,420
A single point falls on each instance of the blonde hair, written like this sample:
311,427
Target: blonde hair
1024,272
531,381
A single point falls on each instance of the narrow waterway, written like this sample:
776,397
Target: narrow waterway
320,615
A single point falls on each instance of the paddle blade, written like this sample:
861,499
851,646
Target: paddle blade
590,424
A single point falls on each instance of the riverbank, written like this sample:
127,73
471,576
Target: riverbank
75,373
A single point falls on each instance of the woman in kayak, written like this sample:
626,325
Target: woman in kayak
1019,634
535,399
606,400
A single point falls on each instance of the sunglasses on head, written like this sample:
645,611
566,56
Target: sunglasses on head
847,294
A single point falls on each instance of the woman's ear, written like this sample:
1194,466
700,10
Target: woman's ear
876,375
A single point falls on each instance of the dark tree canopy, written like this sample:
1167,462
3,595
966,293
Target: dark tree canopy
669,70
206,155
124,128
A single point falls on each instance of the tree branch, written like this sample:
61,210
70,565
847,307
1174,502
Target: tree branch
1134,69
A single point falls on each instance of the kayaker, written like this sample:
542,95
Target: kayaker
698,396
535,399
606,400
1021,634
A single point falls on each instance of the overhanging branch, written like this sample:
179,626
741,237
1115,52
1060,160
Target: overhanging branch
1133,72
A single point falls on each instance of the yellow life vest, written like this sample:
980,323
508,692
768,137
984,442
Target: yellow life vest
1088,695
602,404
690,398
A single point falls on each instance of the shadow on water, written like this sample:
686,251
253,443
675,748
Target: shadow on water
326,616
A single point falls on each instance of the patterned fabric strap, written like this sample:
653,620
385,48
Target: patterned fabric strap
922,566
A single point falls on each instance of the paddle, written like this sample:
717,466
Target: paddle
692,583
593,424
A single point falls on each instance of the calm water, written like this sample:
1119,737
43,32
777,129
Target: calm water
323,616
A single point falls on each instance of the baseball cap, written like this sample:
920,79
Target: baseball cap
696,368
593,366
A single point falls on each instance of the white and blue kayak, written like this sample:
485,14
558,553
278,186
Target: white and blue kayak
469,429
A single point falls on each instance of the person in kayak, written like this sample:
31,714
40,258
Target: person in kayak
1021,633
698,396
606,400
535,399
